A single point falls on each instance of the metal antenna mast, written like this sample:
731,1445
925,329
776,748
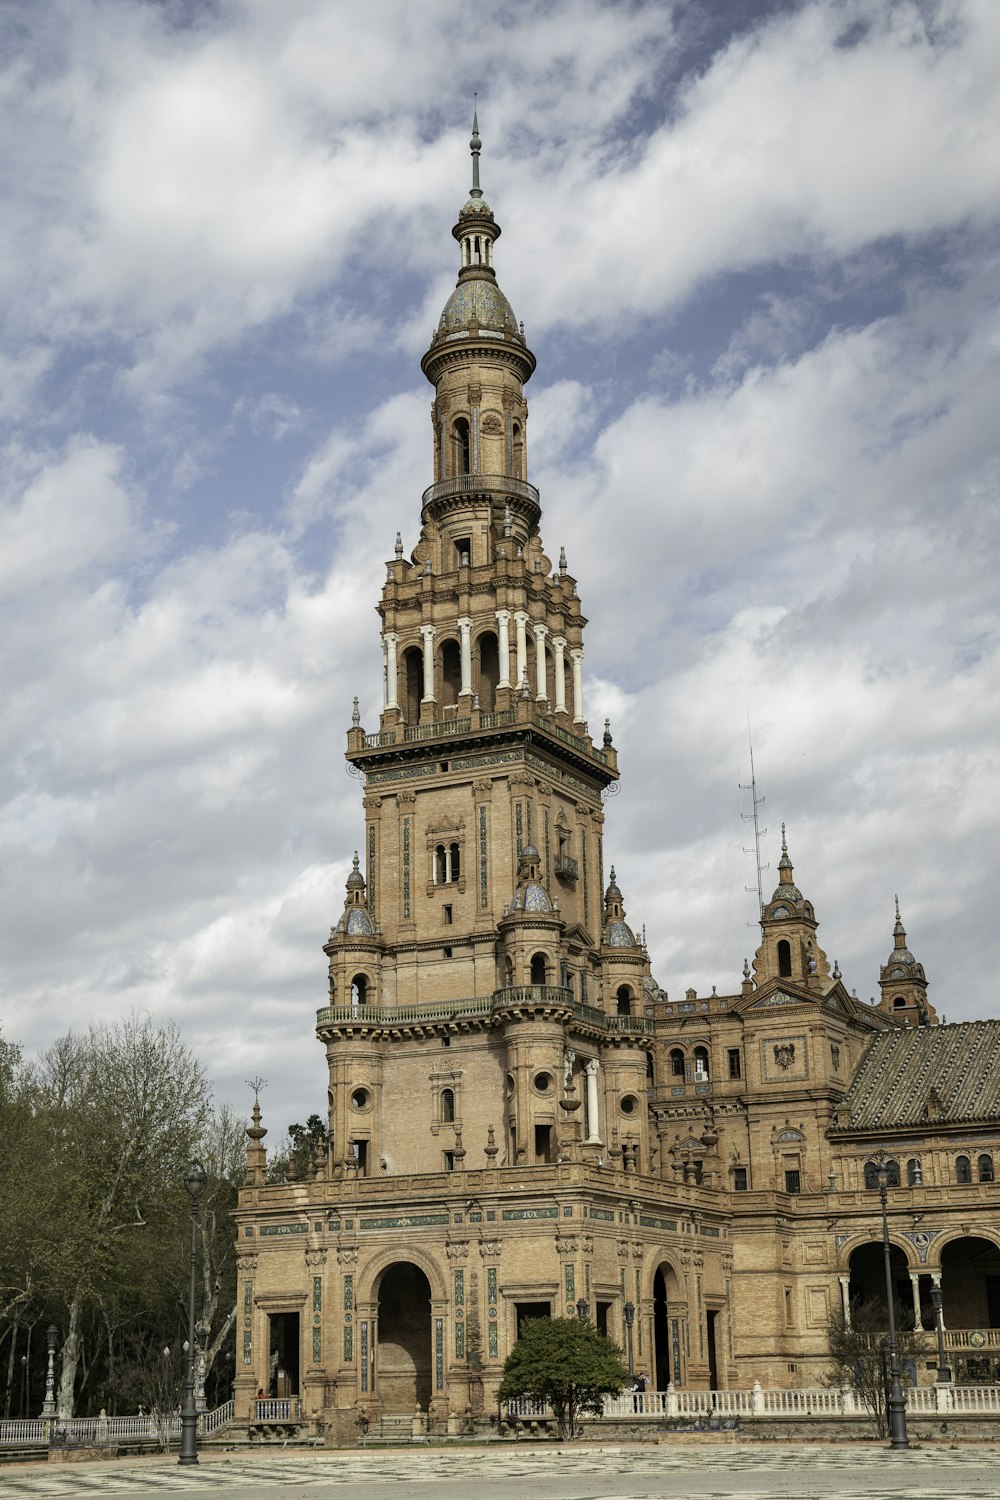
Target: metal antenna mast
758,832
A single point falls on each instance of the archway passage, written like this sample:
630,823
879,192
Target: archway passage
867,1284
666,1341
405,1362
970,1283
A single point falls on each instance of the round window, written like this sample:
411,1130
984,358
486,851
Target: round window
543,1082
510,1085
361,1098
628,1105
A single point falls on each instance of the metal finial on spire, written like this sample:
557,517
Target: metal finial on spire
356,714
784,846
474,147
897,908
399,545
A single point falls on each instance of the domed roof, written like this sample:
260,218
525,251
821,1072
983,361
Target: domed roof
477,300
356,922
620,935
530,852
536,898
475,208
788,892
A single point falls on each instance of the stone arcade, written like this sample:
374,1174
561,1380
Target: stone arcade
521,1122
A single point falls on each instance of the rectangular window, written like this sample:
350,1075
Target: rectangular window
447,952
448,917
523,1311
793,1181
543,1143
739,1179
449,1161
735,1063
359,1150
463,551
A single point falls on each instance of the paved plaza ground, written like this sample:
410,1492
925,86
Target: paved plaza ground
647,1472
717,1470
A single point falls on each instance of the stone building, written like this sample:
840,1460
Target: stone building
521,1122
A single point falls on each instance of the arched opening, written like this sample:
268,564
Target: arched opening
359,991
963,1171
898,1002
866,1289
489,671
440,865
460,446
517,451
784,959
456,861
403,1367
447,1105
970,1287
623,1000
701,1064
413,683
985,1165
666,1328
913,1173
451,672
568,684
676,1063
891,1175
538,968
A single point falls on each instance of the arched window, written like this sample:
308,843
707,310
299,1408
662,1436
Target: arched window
538,968
584,996
413,684
898,1002
963,1169
460,446
701,1064
456,861
624,1000
871,1176
447,1105
451,672
677,1063
359,991
440,865
517,452
489,671
914,1177
785,959
985,1165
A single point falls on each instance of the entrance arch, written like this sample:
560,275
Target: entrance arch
867,1283
666,1327
404,1368
970,1283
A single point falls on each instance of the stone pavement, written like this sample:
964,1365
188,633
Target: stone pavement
722,1471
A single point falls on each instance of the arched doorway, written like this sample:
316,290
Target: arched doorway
867,1284
970,1303
404,1363
666,1328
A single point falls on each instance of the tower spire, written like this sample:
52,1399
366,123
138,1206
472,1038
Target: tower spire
474,147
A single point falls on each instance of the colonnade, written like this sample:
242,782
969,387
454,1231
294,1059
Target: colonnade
544,643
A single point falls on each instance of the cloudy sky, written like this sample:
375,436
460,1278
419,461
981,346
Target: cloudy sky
754,244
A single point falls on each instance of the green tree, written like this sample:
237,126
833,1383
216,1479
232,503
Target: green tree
567,1363
860,1351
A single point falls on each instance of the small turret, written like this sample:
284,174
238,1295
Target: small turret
903,983
789,949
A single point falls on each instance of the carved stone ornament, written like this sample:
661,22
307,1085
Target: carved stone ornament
489,1249
347,1255
567,1245
246,1264
482,790
457,1250
492,424
784,1054
316,1258
406,799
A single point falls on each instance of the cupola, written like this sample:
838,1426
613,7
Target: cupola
903,983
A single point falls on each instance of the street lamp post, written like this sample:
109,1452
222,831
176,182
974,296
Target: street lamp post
24,1385
897,1401
937,1302
49,1404
582,1310
194,1182
629,1310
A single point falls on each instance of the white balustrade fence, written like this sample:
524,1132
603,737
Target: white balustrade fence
819,1401
151,1427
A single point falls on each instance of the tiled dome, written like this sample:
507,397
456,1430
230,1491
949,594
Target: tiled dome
477,300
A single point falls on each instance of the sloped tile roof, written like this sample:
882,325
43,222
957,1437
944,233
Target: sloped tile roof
899,1069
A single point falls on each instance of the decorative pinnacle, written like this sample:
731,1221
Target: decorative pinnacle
399,545
357,866
356,714
784,846
563,565
474,146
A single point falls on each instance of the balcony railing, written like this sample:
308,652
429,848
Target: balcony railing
478,484
481,1005
566,867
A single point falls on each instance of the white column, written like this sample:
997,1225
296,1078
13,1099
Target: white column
560,676
503,646
521,623
576,657
465,627
427,632
845,1298
915,1284
541,631
593,1124
389,643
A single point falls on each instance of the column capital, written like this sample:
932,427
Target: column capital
391,637
502,615
427,631
576,653
464,623
559,641
521,616
541,631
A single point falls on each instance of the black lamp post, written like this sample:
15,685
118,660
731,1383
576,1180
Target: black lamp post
937,1302
897,1401
582,1310
24,1385
629,1311
49,1404
194,1182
